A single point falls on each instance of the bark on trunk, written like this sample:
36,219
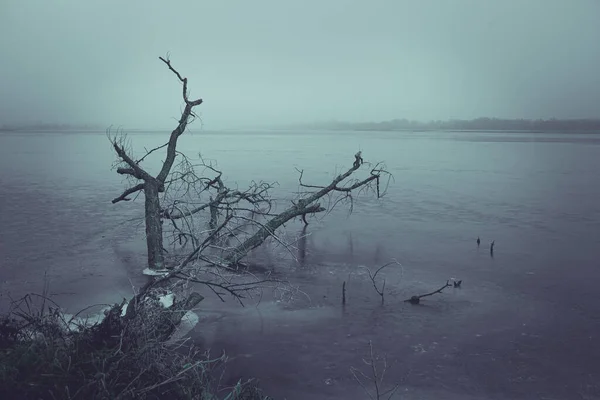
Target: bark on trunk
268,229
154,233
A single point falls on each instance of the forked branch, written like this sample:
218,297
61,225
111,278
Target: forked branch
123,196
373,277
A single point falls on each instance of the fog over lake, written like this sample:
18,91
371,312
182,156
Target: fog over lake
271,62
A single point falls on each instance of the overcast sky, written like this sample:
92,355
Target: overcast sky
260,62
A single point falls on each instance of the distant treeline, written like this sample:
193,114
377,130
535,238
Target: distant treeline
479,124
42,126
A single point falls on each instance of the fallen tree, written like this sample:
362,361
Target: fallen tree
212,227
416,299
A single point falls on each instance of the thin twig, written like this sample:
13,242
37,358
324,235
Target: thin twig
373,276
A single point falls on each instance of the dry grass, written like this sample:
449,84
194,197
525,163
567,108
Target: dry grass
117,358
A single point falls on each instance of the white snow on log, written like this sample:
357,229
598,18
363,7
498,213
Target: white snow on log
188,322
155,272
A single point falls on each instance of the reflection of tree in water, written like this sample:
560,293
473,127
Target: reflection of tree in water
311,251
302,246
350,245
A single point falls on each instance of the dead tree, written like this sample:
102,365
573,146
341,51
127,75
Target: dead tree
180,195
222,224
153,185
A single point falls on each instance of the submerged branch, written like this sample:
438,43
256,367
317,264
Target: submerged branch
416,299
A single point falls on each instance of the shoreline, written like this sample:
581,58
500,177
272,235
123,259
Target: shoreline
136,130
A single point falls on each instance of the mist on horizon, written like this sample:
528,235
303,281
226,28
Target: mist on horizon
271,62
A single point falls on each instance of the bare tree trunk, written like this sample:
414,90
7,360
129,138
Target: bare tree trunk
154,232
153,185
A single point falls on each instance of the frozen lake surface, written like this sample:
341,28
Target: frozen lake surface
525,324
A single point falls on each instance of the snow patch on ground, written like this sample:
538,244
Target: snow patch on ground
72,322
167,300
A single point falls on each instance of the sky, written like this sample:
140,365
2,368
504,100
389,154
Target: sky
269,62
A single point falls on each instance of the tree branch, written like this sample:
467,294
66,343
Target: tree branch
376,377
416,299
300,208
373,277
317,195
128,171
268,229
123,197
178,131
134,170
148,152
